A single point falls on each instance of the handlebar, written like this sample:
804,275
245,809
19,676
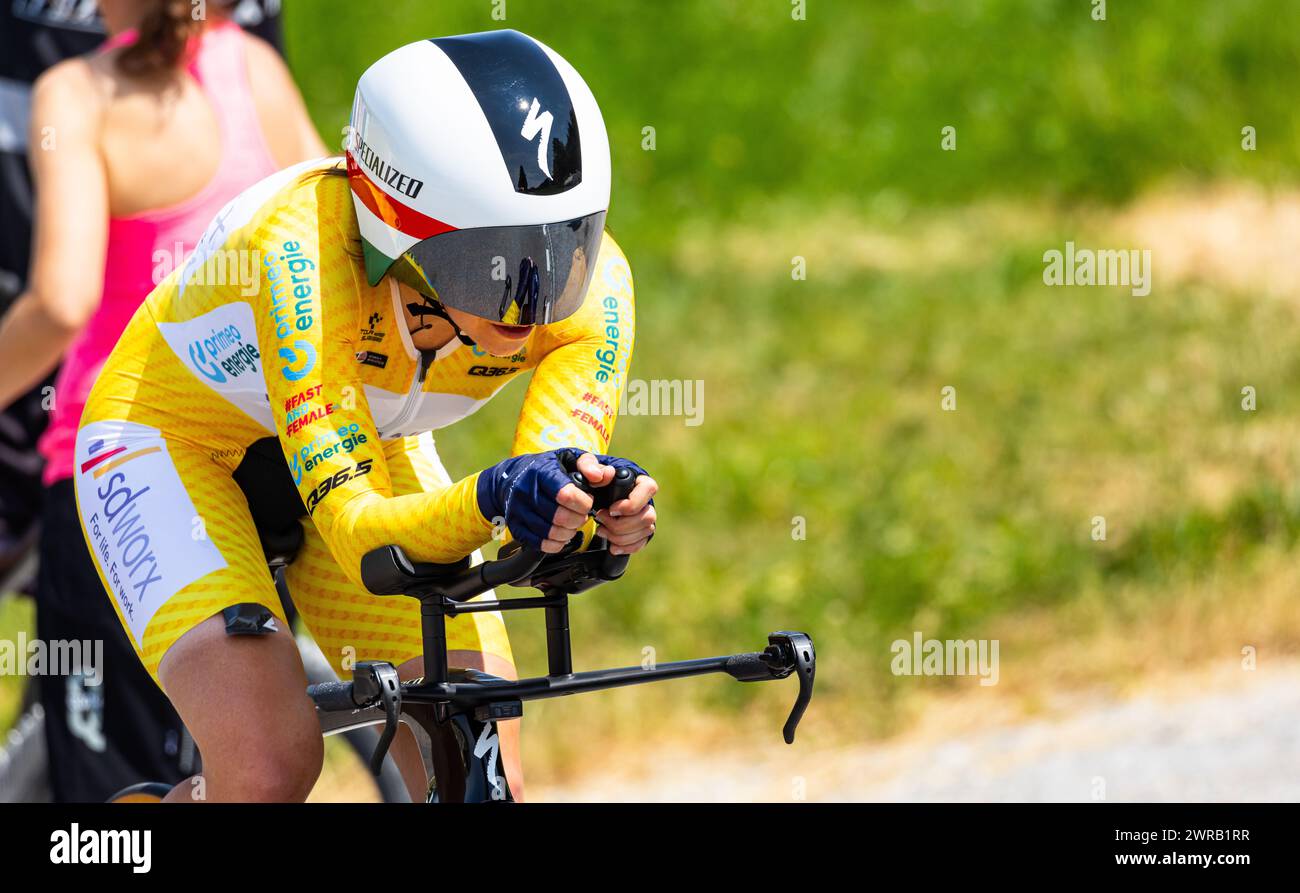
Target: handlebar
388,571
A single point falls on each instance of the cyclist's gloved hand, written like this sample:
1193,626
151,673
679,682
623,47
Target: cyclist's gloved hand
628,524
536,497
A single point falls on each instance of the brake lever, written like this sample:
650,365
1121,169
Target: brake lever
601,497
794,651
621,487
378,680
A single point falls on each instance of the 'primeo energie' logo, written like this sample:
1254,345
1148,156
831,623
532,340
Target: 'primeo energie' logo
224,352
301,352
220,349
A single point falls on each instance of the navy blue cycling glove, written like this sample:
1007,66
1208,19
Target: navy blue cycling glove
523,490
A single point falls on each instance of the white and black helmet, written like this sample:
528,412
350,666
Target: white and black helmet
479,168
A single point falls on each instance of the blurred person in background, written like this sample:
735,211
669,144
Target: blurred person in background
35,35
136,147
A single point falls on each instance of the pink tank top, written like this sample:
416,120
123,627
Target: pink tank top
217,63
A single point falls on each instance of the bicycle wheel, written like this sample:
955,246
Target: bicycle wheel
467,764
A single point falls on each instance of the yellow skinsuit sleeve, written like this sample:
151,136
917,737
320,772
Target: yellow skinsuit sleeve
574,394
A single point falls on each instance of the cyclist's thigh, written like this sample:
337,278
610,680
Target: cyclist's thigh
170,533
349,623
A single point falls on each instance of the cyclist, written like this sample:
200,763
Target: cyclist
291,371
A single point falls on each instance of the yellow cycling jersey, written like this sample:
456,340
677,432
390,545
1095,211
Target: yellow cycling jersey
270,329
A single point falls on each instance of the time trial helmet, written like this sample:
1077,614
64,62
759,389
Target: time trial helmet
479,168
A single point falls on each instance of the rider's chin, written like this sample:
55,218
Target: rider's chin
510,334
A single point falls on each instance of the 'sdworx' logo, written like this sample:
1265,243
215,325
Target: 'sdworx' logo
536,124
123,517
301,351
138,518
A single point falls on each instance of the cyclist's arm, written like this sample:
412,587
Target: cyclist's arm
317,398
574,394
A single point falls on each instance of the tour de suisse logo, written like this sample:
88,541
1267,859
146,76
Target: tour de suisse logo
370,331
139,518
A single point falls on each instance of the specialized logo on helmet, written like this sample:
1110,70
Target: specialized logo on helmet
384,171
535,124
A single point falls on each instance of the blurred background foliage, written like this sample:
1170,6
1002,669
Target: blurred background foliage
820,139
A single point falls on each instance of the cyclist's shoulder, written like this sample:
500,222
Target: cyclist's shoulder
312,195
291,203
607,314
288,191
611,282
611,285
612,262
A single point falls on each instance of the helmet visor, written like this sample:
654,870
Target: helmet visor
517,275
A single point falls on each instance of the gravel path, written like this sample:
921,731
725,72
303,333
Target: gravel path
1236,738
